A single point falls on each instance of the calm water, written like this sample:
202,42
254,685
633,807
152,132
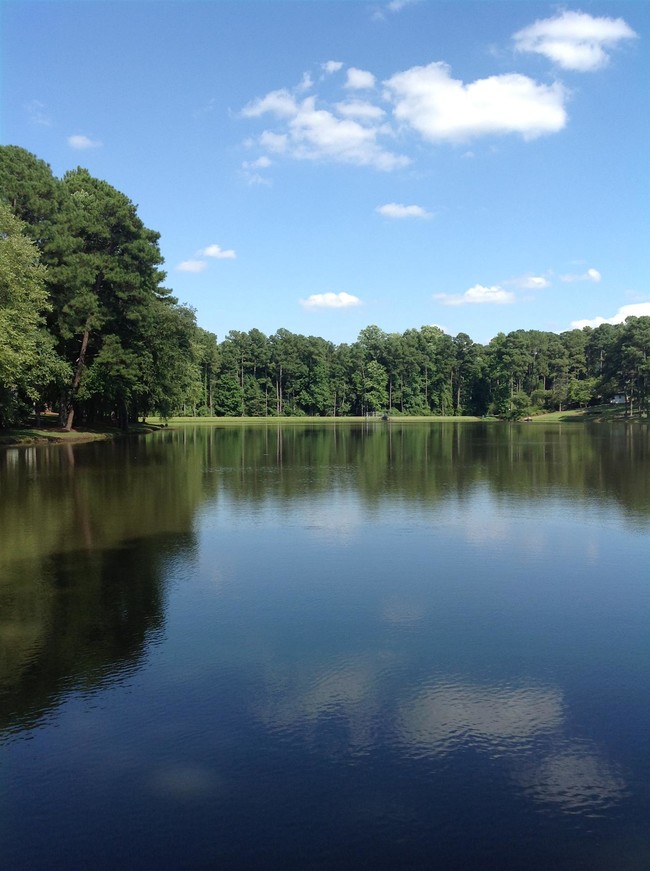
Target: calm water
383,647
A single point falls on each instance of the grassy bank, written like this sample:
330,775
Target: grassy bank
595,414
49,432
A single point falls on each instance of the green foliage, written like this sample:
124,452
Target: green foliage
519,405
87,326
28,364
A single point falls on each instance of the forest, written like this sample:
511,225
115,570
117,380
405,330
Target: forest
89,330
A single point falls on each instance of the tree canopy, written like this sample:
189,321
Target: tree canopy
87,328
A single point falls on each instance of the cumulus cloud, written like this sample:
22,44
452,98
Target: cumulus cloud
307,82
313,133
81,142
276,142
217,252
360,109
191,266
478,294
331,300
332,66
262,162
397,210
574,40
359,79
422,100
280,103
440,108
590,275
250,170
530,282
636,310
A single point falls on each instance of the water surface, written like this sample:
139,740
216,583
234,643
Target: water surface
381,646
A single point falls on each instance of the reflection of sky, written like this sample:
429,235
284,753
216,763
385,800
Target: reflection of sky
446,586
445,716
509,723
575,779
346,691
524,728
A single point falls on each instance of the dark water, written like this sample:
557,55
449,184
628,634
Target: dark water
384,647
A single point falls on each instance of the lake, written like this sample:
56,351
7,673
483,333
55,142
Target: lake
384,646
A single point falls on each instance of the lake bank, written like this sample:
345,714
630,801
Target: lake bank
47,433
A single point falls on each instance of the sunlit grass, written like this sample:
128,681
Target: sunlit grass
49,431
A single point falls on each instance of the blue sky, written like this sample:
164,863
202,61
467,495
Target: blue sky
323,166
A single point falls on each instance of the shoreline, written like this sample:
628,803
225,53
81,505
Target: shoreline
29,436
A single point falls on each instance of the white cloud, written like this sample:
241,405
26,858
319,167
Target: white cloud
636,310
397,210
217,252
392,8
307,83
441,108
276,142
478,294
425,100
530,282
318,134
360,109
332,66
574,40
359,79
590,275
250,167
331,300
81,142
280,103
191,266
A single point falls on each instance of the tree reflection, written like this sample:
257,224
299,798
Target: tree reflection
87,534
428,462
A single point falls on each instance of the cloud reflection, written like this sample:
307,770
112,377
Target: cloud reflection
498,719
524,727
346,693
574,779
512,723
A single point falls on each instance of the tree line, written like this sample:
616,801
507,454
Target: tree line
425,372
87,328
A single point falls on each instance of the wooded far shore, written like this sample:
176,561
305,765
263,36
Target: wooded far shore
88,330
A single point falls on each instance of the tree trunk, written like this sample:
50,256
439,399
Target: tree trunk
76,381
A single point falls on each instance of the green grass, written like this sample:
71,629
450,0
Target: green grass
594,414
49,432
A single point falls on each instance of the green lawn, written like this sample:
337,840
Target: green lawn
50,432
595,414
